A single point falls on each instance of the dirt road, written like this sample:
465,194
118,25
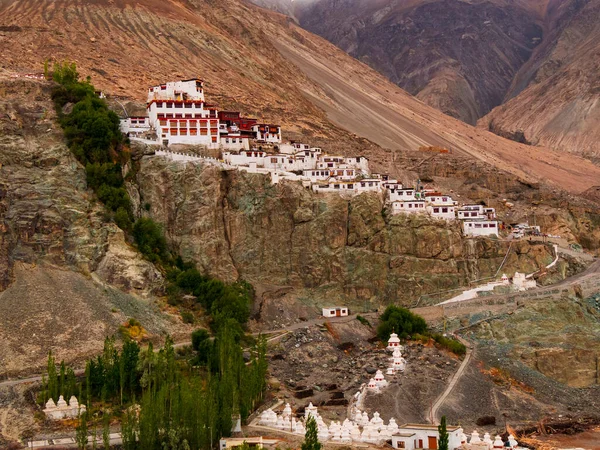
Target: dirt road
451,385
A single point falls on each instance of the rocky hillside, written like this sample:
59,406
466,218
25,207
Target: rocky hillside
459,57
263,64
67,277
553,100
285,239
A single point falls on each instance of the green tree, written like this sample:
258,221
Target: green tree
311,439
106,430
150,240
443,432
401,321
52,378
81,433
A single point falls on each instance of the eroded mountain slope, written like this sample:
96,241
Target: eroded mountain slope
555,99
459,57
262,63
63,268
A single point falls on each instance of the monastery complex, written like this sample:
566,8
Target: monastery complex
177,113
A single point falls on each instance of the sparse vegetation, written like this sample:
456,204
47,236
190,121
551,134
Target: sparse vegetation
450,344
363,320
400,321
407,324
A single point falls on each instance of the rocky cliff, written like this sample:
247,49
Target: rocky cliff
558,338
321,248
68,278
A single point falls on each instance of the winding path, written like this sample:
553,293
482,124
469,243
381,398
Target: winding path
442,398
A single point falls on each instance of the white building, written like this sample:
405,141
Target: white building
481,228
435,198
252,442
402,194
522,283
441,211
475,212
335,311
351,187
135,126
267,133
409,207
414,436
179,114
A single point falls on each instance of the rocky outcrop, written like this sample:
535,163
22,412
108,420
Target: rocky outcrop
47,215
237,225
557,337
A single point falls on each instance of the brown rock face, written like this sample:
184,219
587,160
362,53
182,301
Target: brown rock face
557,337
46,213
459,57
325,248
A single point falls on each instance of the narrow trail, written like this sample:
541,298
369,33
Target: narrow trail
451,385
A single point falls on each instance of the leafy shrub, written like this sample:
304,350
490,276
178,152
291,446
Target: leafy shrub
187,317
122,219
401,321
452,345
93,135
150,240
363,320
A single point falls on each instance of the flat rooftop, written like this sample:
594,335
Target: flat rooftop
418,426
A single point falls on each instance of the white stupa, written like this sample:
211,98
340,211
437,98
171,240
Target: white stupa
287,411
498,442
376,421
392,426
488,440
310,410
393,342
474,437
380,379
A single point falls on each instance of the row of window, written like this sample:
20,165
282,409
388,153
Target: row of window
186,132
444,210
481,225
184,116
410,205
234,140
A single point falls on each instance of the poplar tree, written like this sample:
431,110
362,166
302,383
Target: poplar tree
311,438
106,430
81,434
52,378
443,432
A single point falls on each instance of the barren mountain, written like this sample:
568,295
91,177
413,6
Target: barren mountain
554,100
262,63
535,61
457,56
